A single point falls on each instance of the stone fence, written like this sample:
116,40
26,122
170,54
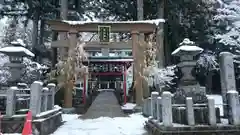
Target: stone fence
41,99
162,110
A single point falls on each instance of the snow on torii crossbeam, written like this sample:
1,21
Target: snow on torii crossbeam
146,26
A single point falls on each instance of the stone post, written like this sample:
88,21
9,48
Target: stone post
51,87
227,75
167,109
211,111
159,109
35,98
45,93
190,111
147,107
154,96
108,86
233,104
11,101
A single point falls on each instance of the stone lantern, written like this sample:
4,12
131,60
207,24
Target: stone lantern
16,51
188,85
189,92
187,51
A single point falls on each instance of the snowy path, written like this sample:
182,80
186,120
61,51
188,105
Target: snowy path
132,125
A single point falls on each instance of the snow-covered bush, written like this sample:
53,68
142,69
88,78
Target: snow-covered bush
4,73
65,72
228,26
33,71
207,62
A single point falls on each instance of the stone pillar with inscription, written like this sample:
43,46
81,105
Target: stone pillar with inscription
11,101
35,98
227,76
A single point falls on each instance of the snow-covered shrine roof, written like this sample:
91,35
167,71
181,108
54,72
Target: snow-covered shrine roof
144,26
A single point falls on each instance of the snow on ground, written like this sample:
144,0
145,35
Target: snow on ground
132,125
128,106
218,102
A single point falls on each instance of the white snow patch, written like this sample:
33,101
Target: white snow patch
132,125
128,106
105,90
187,48
17,49
156,22
69,117
218,102
18,42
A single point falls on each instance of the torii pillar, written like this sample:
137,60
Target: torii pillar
137,67
71,53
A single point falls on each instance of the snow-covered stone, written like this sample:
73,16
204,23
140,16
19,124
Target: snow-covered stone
186,48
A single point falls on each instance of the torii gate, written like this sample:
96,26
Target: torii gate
133,27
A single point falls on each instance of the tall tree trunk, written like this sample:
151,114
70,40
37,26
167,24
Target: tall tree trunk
54,50
41,34
167,46
35,36
41,39
140,9
160,55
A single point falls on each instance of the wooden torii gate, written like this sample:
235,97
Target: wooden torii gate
135,28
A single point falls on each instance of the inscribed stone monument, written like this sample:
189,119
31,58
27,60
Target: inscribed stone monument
227,75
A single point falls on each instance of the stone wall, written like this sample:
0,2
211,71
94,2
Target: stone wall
46,117
167,117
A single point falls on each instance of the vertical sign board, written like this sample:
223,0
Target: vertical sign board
104,33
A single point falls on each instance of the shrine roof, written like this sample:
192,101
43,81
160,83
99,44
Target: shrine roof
144,26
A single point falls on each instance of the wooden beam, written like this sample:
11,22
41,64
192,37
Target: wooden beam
95,44
121,26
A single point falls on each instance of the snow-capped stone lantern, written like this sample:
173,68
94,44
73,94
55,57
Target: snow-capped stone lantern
188,85
187,50
189,91
16,51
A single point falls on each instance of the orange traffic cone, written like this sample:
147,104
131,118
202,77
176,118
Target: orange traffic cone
27,129
1,124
